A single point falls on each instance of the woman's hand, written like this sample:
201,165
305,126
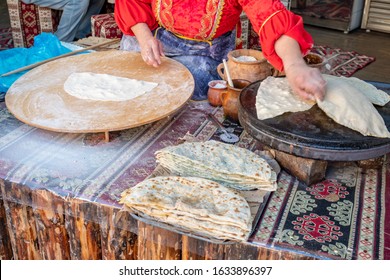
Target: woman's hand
305,81
151,48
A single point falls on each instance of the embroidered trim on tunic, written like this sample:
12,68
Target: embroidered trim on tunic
208,28
213,11
163,13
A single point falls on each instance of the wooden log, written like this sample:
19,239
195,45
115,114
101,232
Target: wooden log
241,251
49,214
20,221
118,232
214,251
192,249
83,231
307,170
155,243
5,242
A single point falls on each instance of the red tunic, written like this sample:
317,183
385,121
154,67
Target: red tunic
208,19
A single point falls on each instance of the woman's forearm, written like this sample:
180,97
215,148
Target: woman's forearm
151,48
289,51
305,81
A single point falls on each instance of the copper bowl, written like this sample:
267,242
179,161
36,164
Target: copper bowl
315,60
216,88
230,98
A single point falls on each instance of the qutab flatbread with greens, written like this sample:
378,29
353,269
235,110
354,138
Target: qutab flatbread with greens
198,205
229,165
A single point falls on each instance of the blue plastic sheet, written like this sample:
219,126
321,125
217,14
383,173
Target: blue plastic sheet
46,45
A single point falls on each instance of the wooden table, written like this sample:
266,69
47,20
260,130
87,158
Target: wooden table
59,196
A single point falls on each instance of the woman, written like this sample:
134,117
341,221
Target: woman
200,33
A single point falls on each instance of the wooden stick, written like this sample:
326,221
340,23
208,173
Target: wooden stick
106,136
230,82
60,56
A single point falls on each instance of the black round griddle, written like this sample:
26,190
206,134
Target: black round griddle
311,133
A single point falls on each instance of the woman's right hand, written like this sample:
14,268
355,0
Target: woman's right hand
151,47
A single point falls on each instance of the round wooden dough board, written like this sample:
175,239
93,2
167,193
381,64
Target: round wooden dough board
38,98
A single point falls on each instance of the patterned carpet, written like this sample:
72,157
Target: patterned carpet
6,39
343,63
341,217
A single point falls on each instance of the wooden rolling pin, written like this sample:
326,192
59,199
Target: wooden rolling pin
31,66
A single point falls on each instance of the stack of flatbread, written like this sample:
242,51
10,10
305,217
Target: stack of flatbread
348,101
195,205
227,164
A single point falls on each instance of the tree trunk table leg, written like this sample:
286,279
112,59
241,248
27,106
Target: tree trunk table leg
50,220
155,243
214,251
192,248
5,242
84,234
20,221
119,241
241,251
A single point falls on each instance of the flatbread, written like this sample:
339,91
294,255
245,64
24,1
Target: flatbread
376,96
275,97
348,106
348,101
198,205
227,164
104,87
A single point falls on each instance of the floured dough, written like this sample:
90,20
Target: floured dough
348,106
376,96
274,97
104,87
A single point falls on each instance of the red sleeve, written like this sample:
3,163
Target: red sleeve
283,23
271,19
130,12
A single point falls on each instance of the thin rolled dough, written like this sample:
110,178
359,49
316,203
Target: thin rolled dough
275,97
348,106
104,87
376,96
347,101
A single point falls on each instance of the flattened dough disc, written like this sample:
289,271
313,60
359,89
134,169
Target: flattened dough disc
38,98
